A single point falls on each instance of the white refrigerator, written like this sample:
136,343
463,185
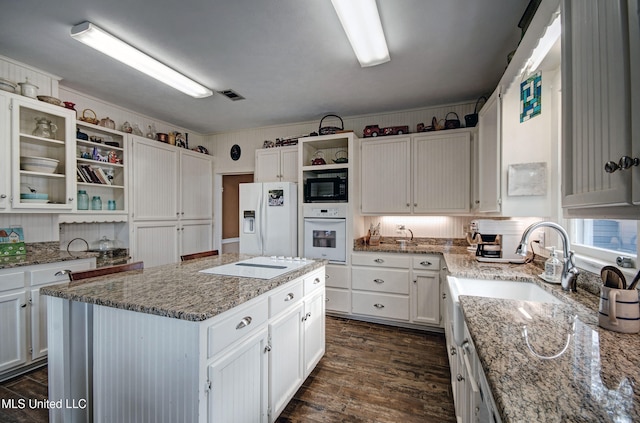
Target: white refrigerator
269,219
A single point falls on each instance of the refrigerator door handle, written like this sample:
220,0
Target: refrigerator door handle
263,224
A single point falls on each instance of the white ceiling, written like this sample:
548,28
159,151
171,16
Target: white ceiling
289,58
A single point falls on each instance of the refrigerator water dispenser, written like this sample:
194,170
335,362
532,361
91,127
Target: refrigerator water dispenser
249,222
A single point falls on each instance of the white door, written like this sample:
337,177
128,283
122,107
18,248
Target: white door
426,298
239,383
314,331
441,172
154,180
196,236
280,224
155,243
13,348
285,359
196,186
387,191
325,239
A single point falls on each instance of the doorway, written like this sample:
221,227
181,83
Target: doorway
230,211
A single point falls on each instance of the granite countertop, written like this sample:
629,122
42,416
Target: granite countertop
178,291
593,380
43,253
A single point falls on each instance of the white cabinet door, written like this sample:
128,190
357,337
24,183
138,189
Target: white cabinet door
154,180
196,236
425,307
155,243
13,318
289,164
596,97
239,383
386,175
5,153
196,186
285,358
489,161
267,165
441,172
314,330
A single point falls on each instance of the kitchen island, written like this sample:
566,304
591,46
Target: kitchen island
157,344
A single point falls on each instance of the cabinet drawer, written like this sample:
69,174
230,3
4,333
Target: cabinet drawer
380,280
313,282
12,279
337,300
285,298
381,305
236,326
47,274
381,260
336,276
426,263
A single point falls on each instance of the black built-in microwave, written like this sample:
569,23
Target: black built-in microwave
325,190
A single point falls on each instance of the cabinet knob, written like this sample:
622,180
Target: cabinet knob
378,280
70,199
444,295
62,272
378,306
244,323
316,281
624,163
267,349
426,263
23,306
459,377
379,261
289,297
453,351
3,195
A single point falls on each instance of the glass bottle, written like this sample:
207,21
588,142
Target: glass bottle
553,267
83,200
111,205
96,203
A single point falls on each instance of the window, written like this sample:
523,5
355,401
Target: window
605,239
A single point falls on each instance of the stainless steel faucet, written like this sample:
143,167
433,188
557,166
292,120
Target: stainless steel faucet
569,270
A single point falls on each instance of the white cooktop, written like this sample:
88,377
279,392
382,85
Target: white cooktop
259,267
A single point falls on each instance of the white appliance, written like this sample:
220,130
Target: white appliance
269,219
258,267
325,231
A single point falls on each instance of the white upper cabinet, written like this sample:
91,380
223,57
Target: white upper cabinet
600,104
386,175
489,145
5,153
279,164
196,176
426,173
43,155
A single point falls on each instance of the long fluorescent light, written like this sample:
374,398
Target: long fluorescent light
361,22
97,38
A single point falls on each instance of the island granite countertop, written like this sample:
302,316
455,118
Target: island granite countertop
178,291
597,378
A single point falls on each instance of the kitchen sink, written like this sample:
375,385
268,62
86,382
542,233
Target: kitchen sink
511,290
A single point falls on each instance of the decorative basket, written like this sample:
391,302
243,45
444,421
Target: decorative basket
451,123
328,130
94,120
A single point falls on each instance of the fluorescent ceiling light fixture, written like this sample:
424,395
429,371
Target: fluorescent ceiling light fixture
547,41
97,38
361,22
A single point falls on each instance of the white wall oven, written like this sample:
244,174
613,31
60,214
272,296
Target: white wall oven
325,232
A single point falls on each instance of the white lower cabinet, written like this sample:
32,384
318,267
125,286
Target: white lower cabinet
396,287
23,326
238,379
338,292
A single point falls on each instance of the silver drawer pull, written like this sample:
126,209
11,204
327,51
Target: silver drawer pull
306,317
62,272
244,323
379,261
426,263
378,280
316,281
289,297
378,306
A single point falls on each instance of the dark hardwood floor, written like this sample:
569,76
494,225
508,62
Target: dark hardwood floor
370,373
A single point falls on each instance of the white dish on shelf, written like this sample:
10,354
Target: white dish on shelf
38,164
546,279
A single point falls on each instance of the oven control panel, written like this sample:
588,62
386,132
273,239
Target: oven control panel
325,210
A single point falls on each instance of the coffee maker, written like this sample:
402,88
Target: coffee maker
497,240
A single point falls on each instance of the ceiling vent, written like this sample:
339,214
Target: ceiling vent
231,95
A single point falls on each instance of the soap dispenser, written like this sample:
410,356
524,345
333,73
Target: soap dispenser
553,267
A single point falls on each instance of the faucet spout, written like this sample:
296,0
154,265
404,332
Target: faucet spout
569,270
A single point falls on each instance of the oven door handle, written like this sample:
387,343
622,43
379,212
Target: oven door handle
326,220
